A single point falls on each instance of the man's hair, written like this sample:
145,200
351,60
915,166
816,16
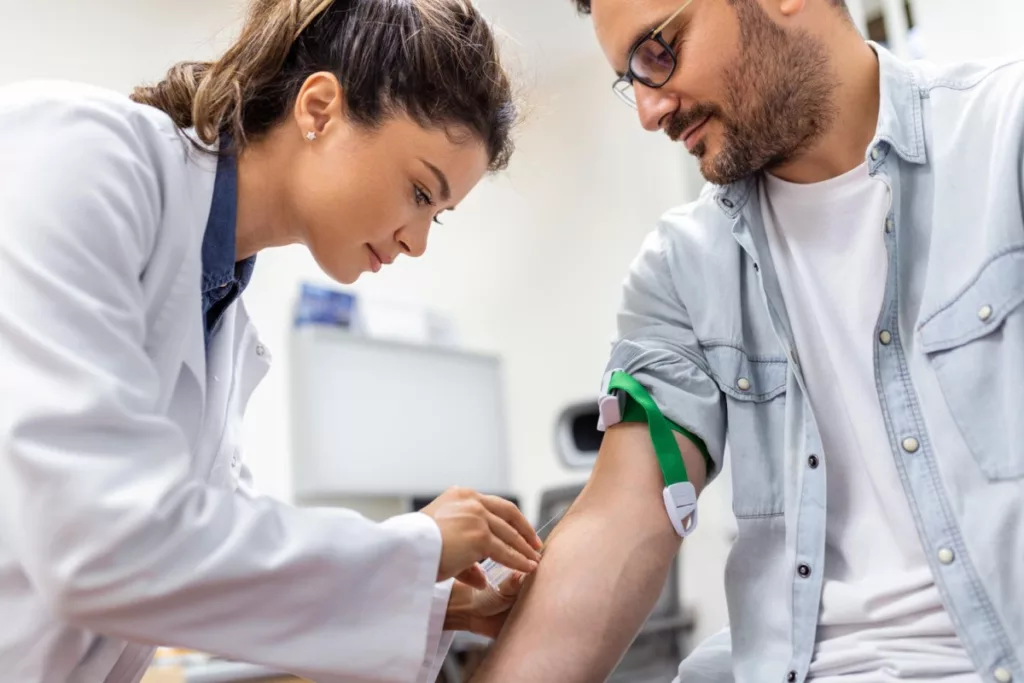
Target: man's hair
583,6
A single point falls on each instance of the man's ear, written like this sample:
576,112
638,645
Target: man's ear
789,8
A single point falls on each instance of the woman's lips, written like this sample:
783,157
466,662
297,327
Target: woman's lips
376,262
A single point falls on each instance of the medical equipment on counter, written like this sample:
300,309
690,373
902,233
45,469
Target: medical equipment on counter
325,306
376,418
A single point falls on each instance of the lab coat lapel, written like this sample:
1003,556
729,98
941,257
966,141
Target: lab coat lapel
202,176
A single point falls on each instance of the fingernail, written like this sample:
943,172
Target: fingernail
533,566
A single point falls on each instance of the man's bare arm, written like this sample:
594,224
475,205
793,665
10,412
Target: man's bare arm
603,569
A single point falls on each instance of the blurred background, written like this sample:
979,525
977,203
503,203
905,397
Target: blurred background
477,365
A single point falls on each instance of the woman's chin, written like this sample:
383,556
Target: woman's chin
348,277
340,272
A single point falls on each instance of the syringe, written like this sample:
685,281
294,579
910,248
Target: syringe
497,572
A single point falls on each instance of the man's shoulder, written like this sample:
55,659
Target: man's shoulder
979,89
698,228
691,248
971,76
972,108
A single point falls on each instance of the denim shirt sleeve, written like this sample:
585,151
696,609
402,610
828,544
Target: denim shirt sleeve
657,346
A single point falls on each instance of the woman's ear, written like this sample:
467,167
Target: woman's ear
320,104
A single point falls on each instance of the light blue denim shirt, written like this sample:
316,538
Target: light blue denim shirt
703,310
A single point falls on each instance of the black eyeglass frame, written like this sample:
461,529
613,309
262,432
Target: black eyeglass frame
624,83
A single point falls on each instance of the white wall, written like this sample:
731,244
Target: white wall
952,30
113,43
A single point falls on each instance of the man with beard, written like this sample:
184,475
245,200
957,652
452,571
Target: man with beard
843,306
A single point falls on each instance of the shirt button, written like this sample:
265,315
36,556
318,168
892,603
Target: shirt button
946,556
804,571
791,677
985,313
885,337
727,203
874,155
743,384
910,444
812,462
261,350
1002,675
889,224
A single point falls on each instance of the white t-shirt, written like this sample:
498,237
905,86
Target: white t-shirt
881,619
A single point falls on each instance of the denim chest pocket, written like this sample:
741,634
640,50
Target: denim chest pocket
975,344
754,388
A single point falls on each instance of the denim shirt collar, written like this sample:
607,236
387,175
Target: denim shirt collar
900,126
224,279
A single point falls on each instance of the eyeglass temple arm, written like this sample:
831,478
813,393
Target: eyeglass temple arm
670,19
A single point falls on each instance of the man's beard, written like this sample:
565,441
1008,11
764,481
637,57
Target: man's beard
778,95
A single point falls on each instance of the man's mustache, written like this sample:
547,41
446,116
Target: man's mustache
682,120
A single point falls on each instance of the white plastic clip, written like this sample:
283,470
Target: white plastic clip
609,406
681,506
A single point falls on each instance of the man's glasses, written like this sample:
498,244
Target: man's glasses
652,61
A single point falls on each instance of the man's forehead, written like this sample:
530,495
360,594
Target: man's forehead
619,24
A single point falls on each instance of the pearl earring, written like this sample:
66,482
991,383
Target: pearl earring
311,136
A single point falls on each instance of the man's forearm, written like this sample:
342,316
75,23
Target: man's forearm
585,604
602,572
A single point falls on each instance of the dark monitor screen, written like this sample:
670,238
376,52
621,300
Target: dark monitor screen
586,436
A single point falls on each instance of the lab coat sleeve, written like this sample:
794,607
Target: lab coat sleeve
97,500
439,641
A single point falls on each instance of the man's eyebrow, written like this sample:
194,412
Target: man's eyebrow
446,191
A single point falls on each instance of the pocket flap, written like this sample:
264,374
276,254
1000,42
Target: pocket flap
758,379
980,307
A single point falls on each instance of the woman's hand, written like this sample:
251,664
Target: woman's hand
474,527
482,610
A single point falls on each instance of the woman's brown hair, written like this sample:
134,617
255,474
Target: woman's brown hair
435,61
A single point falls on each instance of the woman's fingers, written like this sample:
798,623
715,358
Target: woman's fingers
501,552
511,537
513,516
511,585
474,576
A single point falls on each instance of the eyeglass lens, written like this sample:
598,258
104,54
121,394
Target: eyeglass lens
652,63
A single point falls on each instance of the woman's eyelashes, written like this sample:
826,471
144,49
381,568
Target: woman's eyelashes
423,198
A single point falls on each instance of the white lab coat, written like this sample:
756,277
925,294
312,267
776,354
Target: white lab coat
126,515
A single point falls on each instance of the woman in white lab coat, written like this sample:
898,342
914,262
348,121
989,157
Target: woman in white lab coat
128,229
